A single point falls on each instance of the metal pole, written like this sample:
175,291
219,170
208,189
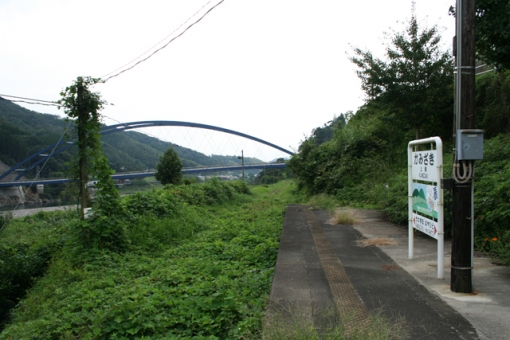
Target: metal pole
410,202
458,66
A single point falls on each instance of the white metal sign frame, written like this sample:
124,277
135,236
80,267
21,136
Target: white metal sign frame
426,213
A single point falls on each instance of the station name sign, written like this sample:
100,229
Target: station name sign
425,166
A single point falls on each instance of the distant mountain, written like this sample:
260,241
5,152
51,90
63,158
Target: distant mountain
24,132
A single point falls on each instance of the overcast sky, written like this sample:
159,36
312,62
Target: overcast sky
274,69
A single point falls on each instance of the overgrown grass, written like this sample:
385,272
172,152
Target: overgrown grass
137,185
297,324
323,201
26,248
199,265
345,216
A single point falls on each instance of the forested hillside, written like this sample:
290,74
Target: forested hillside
24,132
409,96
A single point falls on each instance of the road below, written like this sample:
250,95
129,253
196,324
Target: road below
27,212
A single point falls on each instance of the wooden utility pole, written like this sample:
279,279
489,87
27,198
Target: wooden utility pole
82,147
462,213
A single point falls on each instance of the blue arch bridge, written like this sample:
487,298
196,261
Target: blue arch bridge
29,164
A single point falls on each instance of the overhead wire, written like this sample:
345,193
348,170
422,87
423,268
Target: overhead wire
168,43
51,103
110,75
28,100
162,40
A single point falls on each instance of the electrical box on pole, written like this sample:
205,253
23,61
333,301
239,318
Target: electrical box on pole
469,145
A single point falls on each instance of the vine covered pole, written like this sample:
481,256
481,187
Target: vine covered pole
82,108
82,145
461,280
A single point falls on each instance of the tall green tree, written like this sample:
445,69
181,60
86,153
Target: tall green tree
169,168
105,228
325,133
493,32
82,107
414,81
493,103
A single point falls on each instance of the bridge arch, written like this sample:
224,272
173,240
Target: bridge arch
64,145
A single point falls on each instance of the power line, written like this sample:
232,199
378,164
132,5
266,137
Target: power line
52,103
28,100
33,103
39,100
159,42
168,43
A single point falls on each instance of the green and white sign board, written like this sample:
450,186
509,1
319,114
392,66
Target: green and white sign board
425,206
425,163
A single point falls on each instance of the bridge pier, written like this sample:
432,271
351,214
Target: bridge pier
12,195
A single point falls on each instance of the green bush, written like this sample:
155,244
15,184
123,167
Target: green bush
397,200
20,266
192,194
155,234
26,247
215,191
96,234
240,187
492,198
4,219
201,272
157,202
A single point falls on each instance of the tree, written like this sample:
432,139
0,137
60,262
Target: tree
325,133
105,228
169,168
493,32
82,107
270,176
493,103
414,82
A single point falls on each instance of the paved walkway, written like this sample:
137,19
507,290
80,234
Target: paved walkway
321,266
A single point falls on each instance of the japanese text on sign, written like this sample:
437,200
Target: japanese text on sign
425,225
424,166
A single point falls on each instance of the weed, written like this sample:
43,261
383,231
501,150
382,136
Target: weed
379,241
322,201
298,323
345,216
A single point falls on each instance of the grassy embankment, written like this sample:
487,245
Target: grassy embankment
199,265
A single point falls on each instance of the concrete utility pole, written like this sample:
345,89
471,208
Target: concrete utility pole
82,152
462,214
242,160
